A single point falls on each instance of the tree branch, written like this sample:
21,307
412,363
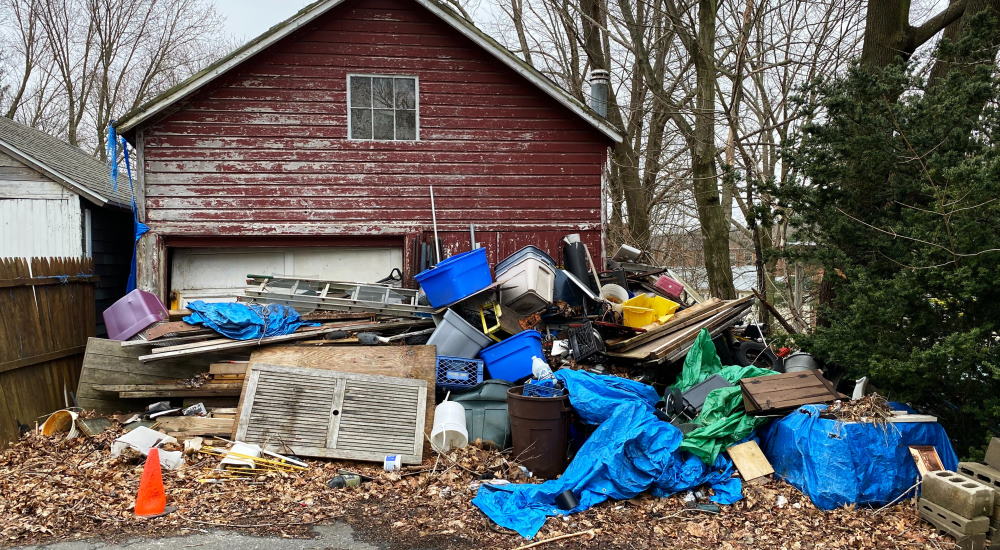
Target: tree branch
919,35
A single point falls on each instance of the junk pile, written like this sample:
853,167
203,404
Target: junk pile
530,390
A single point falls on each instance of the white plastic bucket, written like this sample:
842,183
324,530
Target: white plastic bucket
449,430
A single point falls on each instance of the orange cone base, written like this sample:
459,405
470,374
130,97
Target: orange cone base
152,498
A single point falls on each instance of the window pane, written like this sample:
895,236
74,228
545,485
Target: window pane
384,124
361,123
406,93
383,93
406,125
361,91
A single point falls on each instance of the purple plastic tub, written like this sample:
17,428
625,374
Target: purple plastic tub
132,313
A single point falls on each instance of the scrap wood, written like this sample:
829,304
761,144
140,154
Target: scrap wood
774,311
591,532
41,478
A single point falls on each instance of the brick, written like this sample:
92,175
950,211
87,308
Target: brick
982,473
993,454
950,522
958,494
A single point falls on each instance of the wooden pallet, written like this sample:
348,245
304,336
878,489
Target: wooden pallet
780,393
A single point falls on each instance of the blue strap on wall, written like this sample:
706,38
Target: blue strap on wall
139,228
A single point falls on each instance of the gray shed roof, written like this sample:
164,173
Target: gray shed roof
65,164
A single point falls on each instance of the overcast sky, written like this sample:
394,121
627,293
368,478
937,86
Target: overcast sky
246,19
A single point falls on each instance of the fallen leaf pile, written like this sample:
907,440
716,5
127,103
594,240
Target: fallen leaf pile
55,489
870,408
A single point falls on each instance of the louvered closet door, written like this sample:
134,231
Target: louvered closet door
315,412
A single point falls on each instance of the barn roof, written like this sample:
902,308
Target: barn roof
60,161
144,113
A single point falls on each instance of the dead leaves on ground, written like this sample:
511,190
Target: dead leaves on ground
52,489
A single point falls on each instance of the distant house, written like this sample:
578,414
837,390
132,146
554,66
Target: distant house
56,200
311,151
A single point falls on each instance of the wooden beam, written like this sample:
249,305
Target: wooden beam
41,358
51,280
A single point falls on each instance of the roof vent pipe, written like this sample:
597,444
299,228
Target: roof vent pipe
600,89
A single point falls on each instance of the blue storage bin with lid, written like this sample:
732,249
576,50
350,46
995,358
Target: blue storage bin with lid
455,278
510,360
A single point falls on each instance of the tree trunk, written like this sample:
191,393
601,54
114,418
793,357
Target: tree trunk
713,218
956,31
889,38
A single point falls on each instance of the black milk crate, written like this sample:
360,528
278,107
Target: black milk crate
457,373
584,342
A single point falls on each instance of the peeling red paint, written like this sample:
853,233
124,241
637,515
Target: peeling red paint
264,150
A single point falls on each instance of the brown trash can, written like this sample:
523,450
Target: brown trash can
539,428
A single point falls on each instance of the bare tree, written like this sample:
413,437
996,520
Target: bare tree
82,62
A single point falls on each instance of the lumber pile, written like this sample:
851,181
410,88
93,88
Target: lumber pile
671,341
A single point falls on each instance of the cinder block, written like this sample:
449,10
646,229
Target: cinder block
950,522
958,494
995,517
993,454
982,473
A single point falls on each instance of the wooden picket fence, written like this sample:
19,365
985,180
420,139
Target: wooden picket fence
46,315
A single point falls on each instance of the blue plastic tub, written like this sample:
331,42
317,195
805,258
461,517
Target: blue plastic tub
510,360
455,278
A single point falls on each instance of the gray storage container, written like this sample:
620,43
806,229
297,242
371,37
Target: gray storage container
455,337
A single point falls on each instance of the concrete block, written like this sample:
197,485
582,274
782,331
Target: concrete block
958,494
982,473
993,454
950,522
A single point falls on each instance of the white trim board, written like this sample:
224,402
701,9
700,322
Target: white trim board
134,119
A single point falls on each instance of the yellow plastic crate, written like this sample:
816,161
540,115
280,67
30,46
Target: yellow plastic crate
646,309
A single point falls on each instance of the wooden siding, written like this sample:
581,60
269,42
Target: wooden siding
264,150
38,217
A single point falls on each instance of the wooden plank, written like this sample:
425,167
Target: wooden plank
163,328
234,368
232,345
195,425
160,394
419,362
682,319
46,281
41,358
780,392
750,461
107,362
164,387
926,458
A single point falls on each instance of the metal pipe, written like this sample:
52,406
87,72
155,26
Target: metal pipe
434,220
472,236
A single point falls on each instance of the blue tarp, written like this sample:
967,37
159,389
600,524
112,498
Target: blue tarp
246,321
837,463
630,451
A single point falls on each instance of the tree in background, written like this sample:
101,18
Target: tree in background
71,65
899,195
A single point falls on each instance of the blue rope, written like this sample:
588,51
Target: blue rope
139,228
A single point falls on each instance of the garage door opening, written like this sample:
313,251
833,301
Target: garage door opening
218,274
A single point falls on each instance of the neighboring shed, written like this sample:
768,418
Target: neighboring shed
311,151
56,201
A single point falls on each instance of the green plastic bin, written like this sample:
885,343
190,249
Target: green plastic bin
486,415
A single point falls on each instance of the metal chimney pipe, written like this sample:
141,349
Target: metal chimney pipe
600,90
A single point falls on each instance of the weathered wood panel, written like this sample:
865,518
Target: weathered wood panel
43,329
264,150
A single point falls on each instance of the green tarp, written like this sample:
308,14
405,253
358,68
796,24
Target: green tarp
722,419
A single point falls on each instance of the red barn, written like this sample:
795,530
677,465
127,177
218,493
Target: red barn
312,150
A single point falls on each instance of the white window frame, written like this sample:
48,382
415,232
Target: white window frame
416,106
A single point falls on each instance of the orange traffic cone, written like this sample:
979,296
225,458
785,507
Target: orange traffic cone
151,499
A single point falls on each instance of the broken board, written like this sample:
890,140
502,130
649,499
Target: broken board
751,462
926,458
780,393
331,414
107,362
418,362
190,426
